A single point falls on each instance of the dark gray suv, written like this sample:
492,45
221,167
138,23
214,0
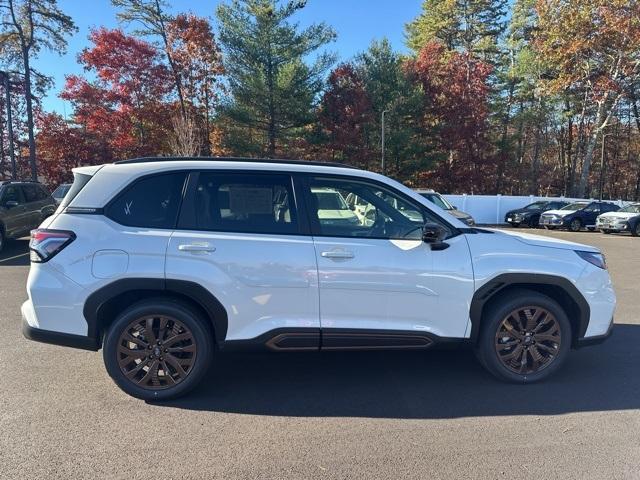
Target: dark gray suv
23,207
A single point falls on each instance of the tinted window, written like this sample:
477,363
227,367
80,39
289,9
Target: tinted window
11,194
30,193
43,194
375,211
594,207
61,191
245,203
152,202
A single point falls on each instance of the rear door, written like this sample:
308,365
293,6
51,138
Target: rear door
14,211
243,236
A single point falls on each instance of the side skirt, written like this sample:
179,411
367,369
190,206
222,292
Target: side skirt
314,339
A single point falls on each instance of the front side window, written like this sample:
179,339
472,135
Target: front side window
30,193
245,203
373,211
151,202
594,207
575,206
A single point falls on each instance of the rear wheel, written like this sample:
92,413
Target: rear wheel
158,349
524,339
575,225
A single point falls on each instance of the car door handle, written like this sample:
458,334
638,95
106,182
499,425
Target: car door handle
337,254
197,248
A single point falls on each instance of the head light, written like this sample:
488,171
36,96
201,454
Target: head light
594,258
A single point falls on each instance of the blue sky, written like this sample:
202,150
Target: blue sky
357,22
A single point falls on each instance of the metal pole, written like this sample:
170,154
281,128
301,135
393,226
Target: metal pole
7,88
382,139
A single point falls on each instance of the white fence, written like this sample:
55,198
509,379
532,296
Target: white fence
491,209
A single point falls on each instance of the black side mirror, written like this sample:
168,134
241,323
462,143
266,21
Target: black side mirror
434,234
11,204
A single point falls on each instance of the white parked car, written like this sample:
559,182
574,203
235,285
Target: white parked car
624,220
165,263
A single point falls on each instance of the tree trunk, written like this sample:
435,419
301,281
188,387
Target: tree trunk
27,90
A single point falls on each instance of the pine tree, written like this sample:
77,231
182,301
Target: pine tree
273,89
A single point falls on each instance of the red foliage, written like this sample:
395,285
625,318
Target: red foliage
126,104
456,105
346,110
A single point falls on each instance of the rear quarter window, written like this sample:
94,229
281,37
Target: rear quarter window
151,202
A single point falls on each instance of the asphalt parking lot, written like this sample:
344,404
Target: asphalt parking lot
333,415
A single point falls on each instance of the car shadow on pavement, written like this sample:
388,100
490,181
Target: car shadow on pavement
435,384
15,253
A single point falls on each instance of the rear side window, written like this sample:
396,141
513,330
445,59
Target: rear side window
244,203
151,202
30,193
79,181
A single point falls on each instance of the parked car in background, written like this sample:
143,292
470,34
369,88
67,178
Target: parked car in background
23,206
439,200
59,193
333,208
626,219
530,215
576,215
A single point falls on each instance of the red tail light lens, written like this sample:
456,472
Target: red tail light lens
45,244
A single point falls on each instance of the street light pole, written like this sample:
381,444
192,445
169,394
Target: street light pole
382,139
7,88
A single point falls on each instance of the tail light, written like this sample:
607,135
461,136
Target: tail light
45,244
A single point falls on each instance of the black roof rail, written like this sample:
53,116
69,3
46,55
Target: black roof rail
233,159
7,182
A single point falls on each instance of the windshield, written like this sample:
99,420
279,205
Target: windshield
536,206
633,208
575,206
328,200
438,199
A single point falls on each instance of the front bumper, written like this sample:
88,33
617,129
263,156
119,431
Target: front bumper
613,226
597,339
47,336
551,221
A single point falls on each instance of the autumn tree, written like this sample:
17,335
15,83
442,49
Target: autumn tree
455,91
344,114
198,61
154,21
126,103
33,25
272,87
592,48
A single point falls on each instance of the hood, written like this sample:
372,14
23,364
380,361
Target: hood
621,215
560,213
541,241
458,214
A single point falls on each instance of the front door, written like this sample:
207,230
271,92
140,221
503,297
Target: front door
240,236
376,273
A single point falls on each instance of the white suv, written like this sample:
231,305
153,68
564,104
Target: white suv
162,262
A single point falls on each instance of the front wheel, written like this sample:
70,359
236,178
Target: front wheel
158,349
605,231
636,231
2,239
575,225
524,339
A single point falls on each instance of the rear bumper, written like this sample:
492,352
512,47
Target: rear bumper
56,338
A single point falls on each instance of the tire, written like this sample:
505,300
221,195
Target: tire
3,239
575,225
493,335
549,227
636,231
606,232
591,229
195,343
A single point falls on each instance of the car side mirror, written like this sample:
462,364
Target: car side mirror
434,234
11,204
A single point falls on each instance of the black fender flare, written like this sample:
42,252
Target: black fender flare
561,286
193,291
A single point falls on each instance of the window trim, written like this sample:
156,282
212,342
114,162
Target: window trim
425,211
105,210
186,218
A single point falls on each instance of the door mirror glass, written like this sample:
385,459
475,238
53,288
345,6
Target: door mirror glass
433,234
